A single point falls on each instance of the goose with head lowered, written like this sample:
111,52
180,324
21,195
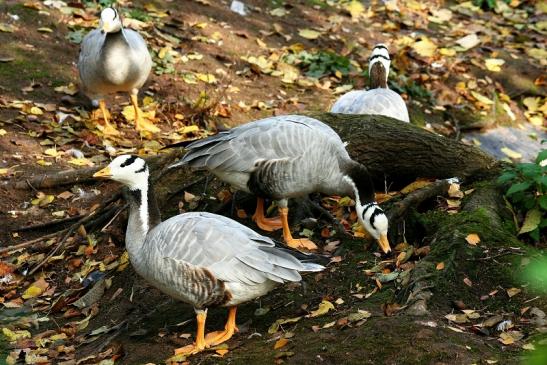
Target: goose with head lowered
379,99
199,258
114,59
284,157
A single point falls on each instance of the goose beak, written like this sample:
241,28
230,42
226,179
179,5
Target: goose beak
384,243
105,174
105,27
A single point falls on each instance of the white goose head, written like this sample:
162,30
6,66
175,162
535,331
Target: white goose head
378,67
110,21
369,214
129,170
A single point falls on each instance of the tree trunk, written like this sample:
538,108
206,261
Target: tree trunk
402,152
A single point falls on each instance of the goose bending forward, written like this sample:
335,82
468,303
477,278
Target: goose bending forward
199,258
114,59
379,99
284,157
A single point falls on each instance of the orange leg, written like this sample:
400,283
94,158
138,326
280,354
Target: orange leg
108,128
218,337
266,224
200,343
302,243
142,124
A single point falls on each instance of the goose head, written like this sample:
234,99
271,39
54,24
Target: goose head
373,218
378,67
369,214
132,171
110,21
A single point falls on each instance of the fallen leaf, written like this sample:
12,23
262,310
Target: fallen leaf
15,335
457,318
511,292
468,282
425,47
359,315
418,184
510,337
355,9
275,326
531,221
35,289
469,41
282,342
510,153
324,307
440,266
220,352
494,64
309,33
483,99
473,239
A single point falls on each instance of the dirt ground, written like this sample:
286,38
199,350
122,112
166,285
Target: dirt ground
133,323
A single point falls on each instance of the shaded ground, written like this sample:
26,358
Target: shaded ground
35,61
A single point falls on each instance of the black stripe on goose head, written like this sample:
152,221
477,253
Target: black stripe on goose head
129,161
373,216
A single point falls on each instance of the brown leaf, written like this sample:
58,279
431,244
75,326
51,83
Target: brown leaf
513,291
390,308
468,282
440,266
280,343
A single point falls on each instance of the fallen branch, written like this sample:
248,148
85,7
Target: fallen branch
415,198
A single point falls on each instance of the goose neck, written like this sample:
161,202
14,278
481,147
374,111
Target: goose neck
359,178
378,73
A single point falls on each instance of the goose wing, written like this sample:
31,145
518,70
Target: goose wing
229,250
280,137
90,50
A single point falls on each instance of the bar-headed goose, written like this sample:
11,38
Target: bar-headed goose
284,157
199,258
114,59
379,99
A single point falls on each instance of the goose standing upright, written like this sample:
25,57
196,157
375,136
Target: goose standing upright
284,157
199,258
379,99
114,59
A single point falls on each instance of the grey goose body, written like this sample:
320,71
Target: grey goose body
199,258
114,59
284,157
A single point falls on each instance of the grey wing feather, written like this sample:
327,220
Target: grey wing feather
271,138
229,250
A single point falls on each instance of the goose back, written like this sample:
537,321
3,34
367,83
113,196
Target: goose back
277,157
376,101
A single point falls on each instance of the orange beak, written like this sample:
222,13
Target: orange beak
384,243
103,174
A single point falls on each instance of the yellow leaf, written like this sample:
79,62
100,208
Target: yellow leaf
532,104
280,343
531,221
513,291
483,99
324,307
454,191
342,89
15,335
69,89
510,153
447,52
309,33
2,132
222,352
80,162
457,318
42,199
418,184
355,8
45,30
3,171
208,78
52,152
494,64
188,129
36,289
275,326
537,53
425,47
189,78
510,337
280,12
440,266
473,239
36,111
440,16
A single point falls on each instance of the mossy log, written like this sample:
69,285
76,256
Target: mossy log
401,152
